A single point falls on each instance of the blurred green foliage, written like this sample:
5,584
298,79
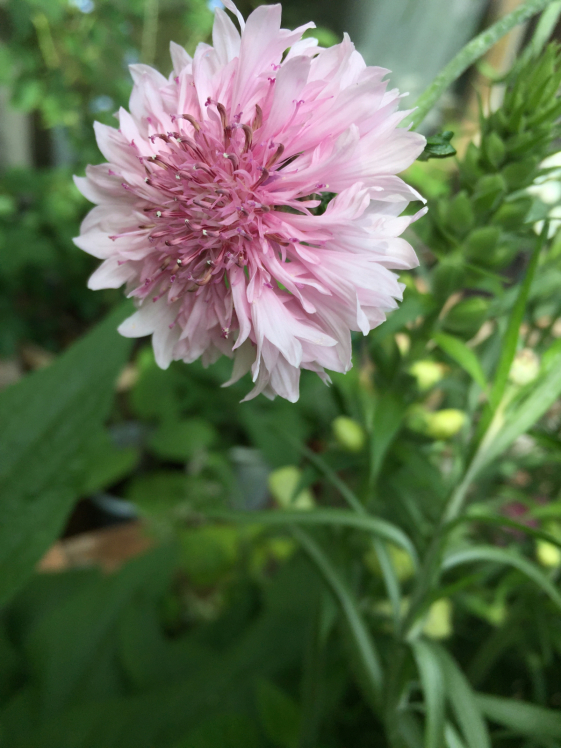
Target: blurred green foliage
376,565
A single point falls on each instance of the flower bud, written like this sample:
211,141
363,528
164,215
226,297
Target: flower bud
282,485
489,191
548,555
445,424
512,215
467,317
438,623
520,173
481,243
494,149
427,373
348,433
401,561
459,214
525,367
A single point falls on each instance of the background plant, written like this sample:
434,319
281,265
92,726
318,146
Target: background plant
376,565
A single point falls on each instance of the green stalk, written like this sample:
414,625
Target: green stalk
468,55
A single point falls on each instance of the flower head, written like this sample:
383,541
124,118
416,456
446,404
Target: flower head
212,207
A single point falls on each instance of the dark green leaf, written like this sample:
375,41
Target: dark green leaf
439,146
47,422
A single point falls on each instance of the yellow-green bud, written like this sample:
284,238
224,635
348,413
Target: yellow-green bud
427,373
444,424
438,623
548,554
282,485
417,418
349,434
401,561
525,367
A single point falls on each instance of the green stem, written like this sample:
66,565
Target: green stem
468,55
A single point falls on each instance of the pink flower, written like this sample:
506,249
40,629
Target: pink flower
207,209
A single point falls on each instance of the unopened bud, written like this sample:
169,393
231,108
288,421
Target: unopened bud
438,623
525,367
349,434
548,555
445,424
283,482
401,562
427,373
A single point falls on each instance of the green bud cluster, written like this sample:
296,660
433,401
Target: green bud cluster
480,229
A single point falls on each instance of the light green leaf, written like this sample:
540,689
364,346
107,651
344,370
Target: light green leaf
48,420
508,557
542,397
367,655
463,701
335,517
463,356
432,681
521,717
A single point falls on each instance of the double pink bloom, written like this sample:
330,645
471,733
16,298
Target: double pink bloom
207,209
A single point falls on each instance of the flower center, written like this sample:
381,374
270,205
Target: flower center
212,202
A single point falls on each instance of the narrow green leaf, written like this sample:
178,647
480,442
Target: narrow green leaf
366,652
390,580
473,50
521,717
512,333
387,418
463,700
542,397
336,517
508,557
453,740
463,356
432,681
48,420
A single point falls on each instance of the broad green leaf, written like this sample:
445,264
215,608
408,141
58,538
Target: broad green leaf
521,717
48,419
178,441
336,517
475,49
65,643
463,701
223,731
463,356
279,715
107,464
367,655
432,681
508,557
